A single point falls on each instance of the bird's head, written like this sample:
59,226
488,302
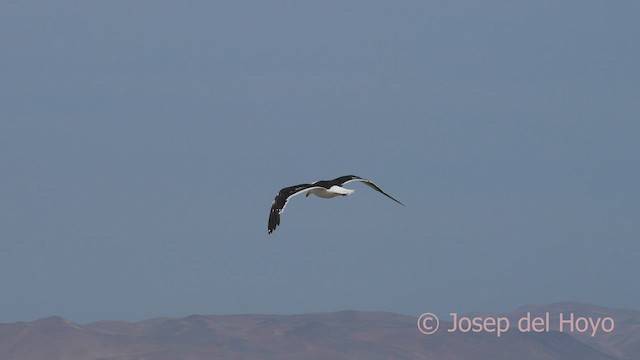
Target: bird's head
307,193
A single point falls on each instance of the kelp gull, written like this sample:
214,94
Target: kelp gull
323,188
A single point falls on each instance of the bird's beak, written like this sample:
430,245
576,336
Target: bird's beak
307,194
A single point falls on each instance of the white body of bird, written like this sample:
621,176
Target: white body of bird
333,191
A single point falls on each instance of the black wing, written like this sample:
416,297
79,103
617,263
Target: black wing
349,178
281,201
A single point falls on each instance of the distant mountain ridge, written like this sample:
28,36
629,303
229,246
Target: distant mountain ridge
623,342
335,335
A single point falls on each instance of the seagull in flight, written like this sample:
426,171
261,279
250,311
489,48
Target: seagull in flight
324,188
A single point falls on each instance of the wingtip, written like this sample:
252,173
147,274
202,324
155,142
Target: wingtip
394,199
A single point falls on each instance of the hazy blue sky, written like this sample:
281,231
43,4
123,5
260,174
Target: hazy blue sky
142,143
